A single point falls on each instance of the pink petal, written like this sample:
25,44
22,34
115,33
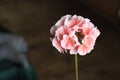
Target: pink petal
52,30
86,31
57,45
67,42
74,50
88,41
61,22
83,50
65,37
72,23
95,32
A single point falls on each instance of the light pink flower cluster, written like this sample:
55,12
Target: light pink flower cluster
75,34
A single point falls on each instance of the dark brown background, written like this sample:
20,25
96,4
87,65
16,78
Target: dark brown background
32,20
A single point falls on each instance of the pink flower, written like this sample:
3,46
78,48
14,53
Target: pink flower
74,34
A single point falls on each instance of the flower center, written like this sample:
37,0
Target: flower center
80,36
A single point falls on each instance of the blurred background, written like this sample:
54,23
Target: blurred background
32,19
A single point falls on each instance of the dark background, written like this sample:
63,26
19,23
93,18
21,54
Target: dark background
32,19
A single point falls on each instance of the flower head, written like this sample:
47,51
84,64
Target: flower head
74,34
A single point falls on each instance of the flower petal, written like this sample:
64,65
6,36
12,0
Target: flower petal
67,42
57,45
75,34
83,50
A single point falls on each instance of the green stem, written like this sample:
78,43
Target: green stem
76,66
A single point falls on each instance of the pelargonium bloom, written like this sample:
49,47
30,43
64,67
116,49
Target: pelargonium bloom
74,34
